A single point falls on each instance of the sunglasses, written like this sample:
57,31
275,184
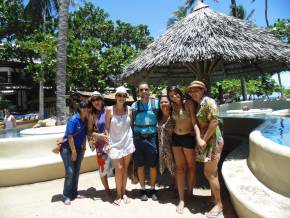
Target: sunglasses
121,95
144,90
96,99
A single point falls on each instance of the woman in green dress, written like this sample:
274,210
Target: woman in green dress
210,143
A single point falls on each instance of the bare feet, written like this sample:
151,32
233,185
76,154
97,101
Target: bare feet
216,211
180,207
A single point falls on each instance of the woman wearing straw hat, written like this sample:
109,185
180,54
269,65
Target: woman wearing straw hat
121,147
211,142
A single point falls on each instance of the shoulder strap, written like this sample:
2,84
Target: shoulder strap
76,133
153,106
135,112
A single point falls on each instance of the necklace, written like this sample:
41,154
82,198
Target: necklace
120,112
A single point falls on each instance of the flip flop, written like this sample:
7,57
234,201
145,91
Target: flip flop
214,214
180,210
117,202
126,199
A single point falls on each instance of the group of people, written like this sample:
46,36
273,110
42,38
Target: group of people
172,132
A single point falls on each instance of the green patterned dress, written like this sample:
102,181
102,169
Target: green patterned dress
207,111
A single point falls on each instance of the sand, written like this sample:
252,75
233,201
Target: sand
45,200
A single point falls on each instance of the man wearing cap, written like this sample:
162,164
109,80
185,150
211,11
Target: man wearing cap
145,139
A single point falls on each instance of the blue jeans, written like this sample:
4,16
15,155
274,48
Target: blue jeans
72,172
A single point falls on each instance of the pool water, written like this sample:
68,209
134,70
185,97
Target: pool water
278,131
15,133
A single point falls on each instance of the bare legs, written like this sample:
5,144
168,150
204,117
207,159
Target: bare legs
141,176
105,183
210,172
191,169
121,174
184,159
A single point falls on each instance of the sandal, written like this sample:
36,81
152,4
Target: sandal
67,202
117,202
179,208
126,199
214,214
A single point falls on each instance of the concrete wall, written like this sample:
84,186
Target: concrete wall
270,163
273,104
29,159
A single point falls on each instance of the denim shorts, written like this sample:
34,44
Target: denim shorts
146,153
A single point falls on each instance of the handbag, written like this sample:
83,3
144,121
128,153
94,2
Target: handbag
60,142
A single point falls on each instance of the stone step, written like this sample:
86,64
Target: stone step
250,197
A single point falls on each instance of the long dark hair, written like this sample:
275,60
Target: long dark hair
94,110
178,91
159,112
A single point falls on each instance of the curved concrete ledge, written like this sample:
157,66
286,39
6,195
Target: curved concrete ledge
29,159
44,130
269,161
47,169
249,196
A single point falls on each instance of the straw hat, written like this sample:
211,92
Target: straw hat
97,94
197,84
121,90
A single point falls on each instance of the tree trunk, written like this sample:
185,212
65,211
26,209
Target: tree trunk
61,58
234,8
280,84
41,82
266,13
41,100
244,88
267,23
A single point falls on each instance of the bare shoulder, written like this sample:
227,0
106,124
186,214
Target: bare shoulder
189,103
109,110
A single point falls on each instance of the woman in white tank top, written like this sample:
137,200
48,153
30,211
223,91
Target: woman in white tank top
9,120
121,147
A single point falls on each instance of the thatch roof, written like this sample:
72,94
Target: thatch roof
207,44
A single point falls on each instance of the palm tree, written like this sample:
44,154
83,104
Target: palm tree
267,23
39,11
239,12
61,58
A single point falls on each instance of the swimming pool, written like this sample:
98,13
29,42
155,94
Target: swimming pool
278,130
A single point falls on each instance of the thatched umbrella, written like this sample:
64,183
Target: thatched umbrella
209,45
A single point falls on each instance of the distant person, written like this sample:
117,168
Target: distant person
121,147
72,151
97,138
210,145
9,120
145,140
9,124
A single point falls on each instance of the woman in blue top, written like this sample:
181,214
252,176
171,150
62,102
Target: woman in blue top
72,151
